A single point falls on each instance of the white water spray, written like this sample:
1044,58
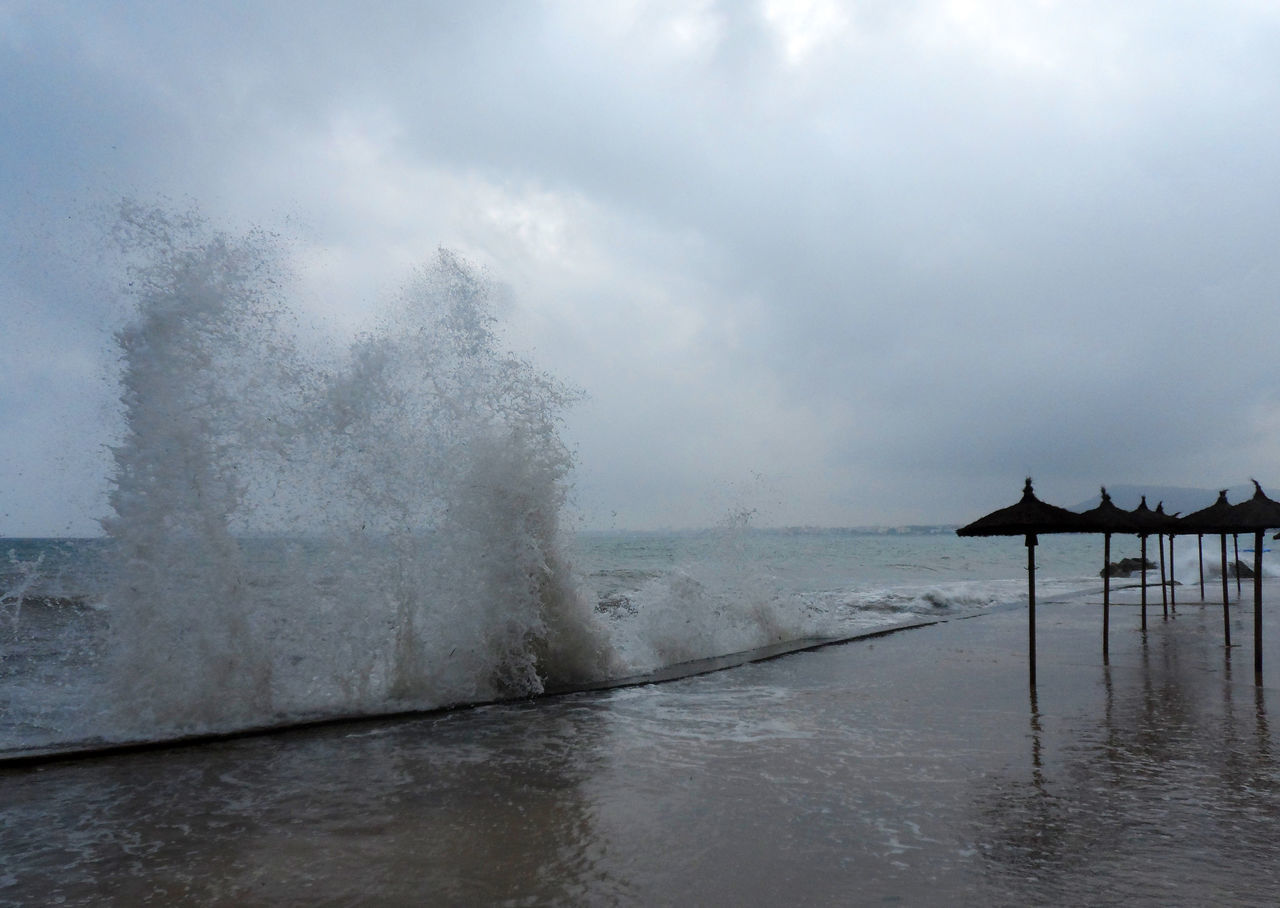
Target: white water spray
297,540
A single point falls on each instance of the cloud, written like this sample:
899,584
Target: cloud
888,256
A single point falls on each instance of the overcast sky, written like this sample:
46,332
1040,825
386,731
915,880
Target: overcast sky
847,263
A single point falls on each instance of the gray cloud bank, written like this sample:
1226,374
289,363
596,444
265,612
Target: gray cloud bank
847,263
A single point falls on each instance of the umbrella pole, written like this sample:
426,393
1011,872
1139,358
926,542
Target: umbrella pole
1106,593
1144,581
1173,584
1235,538
1226,587
1031,604
1226,615
1200,548
1257,607
1164,587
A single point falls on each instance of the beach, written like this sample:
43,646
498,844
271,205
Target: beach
912,768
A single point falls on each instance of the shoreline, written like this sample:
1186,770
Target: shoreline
92,749
909,767
1124,596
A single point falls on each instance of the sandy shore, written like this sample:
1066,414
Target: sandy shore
912,769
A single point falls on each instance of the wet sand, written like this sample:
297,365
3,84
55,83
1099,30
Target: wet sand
909,769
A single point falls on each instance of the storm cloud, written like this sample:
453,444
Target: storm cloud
845,263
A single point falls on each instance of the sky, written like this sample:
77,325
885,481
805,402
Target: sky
852,263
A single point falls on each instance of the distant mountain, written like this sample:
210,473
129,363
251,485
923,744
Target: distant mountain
1177,500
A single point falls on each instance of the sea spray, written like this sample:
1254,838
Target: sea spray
295,539
333,532
721,596
185,649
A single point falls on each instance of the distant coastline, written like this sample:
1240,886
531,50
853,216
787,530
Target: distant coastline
922,529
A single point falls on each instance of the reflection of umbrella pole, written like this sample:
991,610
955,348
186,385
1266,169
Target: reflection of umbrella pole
1031,603
1106,592
1037,762
1226,615
1164,587
1257,607
1200,548
1144,581
1235,537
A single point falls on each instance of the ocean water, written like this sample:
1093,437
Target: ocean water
657,600
908,769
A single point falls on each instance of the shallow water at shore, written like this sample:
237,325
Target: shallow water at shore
913,768
659,599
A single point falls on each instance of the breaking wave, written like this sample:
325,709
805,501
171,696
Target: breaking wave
297,537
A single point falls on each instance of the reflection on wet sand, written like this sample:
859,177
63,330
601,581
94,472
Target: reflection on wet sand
415,813
913,768
1172,798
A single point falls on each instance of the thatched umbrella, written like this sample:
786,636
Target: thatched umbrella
1220,519
1171,531
1146,522
1106,519
1028,518
1257,515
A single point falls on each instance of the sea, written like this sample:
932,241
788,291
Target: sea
843,775
656,600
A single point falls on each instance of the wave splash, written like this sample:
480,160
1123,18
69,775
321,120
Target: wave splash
301,535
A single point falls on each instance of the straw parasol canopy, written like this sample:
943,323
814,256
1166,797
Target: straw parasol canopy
1028,517
1146,522
1107,518
1258,514
1218,518
1165,525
